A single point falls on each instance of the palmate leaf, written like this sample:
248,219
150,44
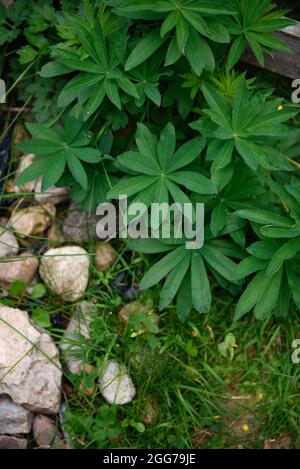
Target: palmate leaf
187,26
245,123
255,24
159,162
274,262
100,74
50,167
186,273
58,151
159,270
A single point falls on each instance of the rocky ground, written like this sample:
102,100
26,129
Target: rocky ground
40,238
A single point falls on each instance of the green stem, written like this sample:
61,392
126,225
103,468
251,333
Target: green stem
21,76
4,133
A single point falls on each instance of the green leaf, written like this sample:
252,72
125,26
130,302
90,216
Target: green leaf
173,53
294,282
268,301
285,252
182,32
251,295
236,50
41,132
166,145
130,186
193,181
240,103
201,295
178,195
191,349
263,249
250,265
49,167
215,7
89,155
195,20
40,146
159,270
139,163
17,288
149,246
252,154
187,153
161,194
77,170
27,54
274,232
152,92
219,105
173,283
145,141
79,82
255,46
264,217
54,69
128,87
144,49
41,317
222,264
169,23
184,298
94,101
38,291
272,42
218,219
111,89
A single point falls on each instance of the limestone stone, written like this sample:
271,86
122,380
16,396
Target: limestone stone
32,221
23,268
115,384
30,371
13,418
9,245
65,271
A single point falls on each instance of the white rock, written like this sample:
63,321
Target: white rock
115,384
23,268
65,271
32,221
53,195
13,418
25,162
30,371
9,245
75,336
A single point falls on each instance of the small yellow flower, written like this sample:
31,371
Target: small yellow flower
216,417
280,108
245,427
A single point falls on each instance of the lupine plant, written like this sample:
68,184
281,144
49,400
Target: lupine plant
149,105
